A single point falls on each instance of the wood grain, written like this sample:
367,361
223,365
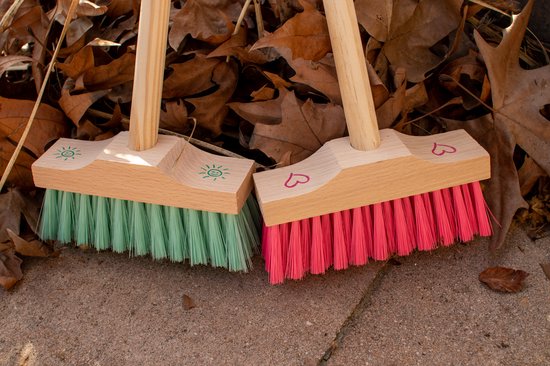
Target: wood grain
172,173
341,177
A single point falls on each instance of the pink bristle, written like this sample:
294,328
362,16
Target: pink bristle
448,199
380,251
480,207
294,262
469,207
424,238
339,242
389,224
285,238
431,219
465,230
346,219
274,255
409,218
265,246
327,239
317,263
306,242
402,240
367,218
445,234
358,255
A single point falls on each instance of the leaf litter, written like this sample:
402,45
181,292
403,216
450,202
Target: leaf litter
433,65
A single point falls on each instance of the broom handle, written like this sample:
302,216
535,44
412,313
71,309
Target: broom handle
353,78
149,74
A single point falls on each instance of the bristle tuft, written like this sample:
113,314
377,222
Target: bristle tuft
358,255
481,211
381,251
295,262
317,263
465,231
339,242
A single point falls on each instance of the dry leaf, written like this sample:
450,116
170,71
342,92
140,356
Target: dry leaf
175,117
190,78
304,36
320,75
304,128
13,206
11,60
49,124
117,72
409,28
188,302
265,112
76,105
503,279
546,269
10,269
32,248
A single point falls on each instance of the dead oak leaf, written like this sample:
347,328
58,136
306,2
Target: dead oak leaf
409,28
304,128
190,78
320,75
13,206
10,268
268,112
29,248
116,72
303,36
75,105
504,279
206,20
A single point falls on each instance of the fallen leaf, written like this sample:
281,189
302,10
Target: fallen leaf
320,75
188,303
304,128
264,112
503,279
117,72
546,269
78,63
10,269
75,105
14,205
529,174
11,60
303,36
409,29
32,248
190,78
175,117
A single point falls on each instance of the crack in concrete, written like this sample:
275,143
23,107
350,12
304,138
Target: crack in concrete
352,319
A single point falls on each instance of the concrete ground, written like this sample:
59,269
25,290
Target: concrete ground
88,308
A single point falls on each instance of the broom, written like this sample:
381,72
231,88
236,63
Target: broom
145,193
372,194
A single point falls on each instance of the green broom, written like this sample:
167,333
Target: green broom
145,193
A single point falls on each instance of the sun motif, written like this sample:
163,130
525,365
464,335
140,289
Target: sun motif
67,153
214,172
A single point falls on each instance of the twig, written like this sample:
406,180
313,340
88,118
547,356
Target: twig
15,155
8,16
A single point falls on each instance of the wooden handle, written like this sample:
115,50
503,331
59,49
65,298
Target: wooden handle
149,74
352,74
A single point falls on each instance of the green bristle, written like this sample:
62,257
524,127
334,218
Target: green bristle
49,217
177,242
119,226
195,237
248,214
139,229
65,233
102,233
158,231
85,220
237,261
254,211
215,239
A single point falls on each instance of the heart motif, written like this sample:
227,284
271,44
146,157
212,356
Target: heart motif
442,149
296,179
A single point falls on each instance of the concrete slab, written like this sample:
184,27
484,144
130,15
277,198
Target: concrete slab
88,308
432,310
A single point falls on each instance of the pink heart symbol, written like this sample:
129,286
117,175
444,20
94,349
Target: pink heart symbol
442,149
296,179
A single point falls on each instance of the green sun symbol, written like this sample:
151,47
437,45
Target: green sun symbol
214,172
67,153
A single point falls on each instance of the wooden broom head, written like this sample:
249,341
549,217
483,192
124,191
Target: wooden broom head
338,177
172,173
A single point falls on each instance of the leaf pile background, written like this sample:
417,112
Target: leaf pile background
267,88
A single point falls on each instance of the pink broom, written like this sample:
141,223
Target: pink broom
373,194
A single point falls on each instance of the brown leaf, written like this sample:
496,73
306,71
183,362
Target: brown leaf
175,117
190,78
8,61
76,105
32,248
503,279
205,20
304,36
10,269
117,72
211,110
304,128
188,303
320,75
49,124
409,29
529,174
13,206
78,63
237,46
546,269
265,112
